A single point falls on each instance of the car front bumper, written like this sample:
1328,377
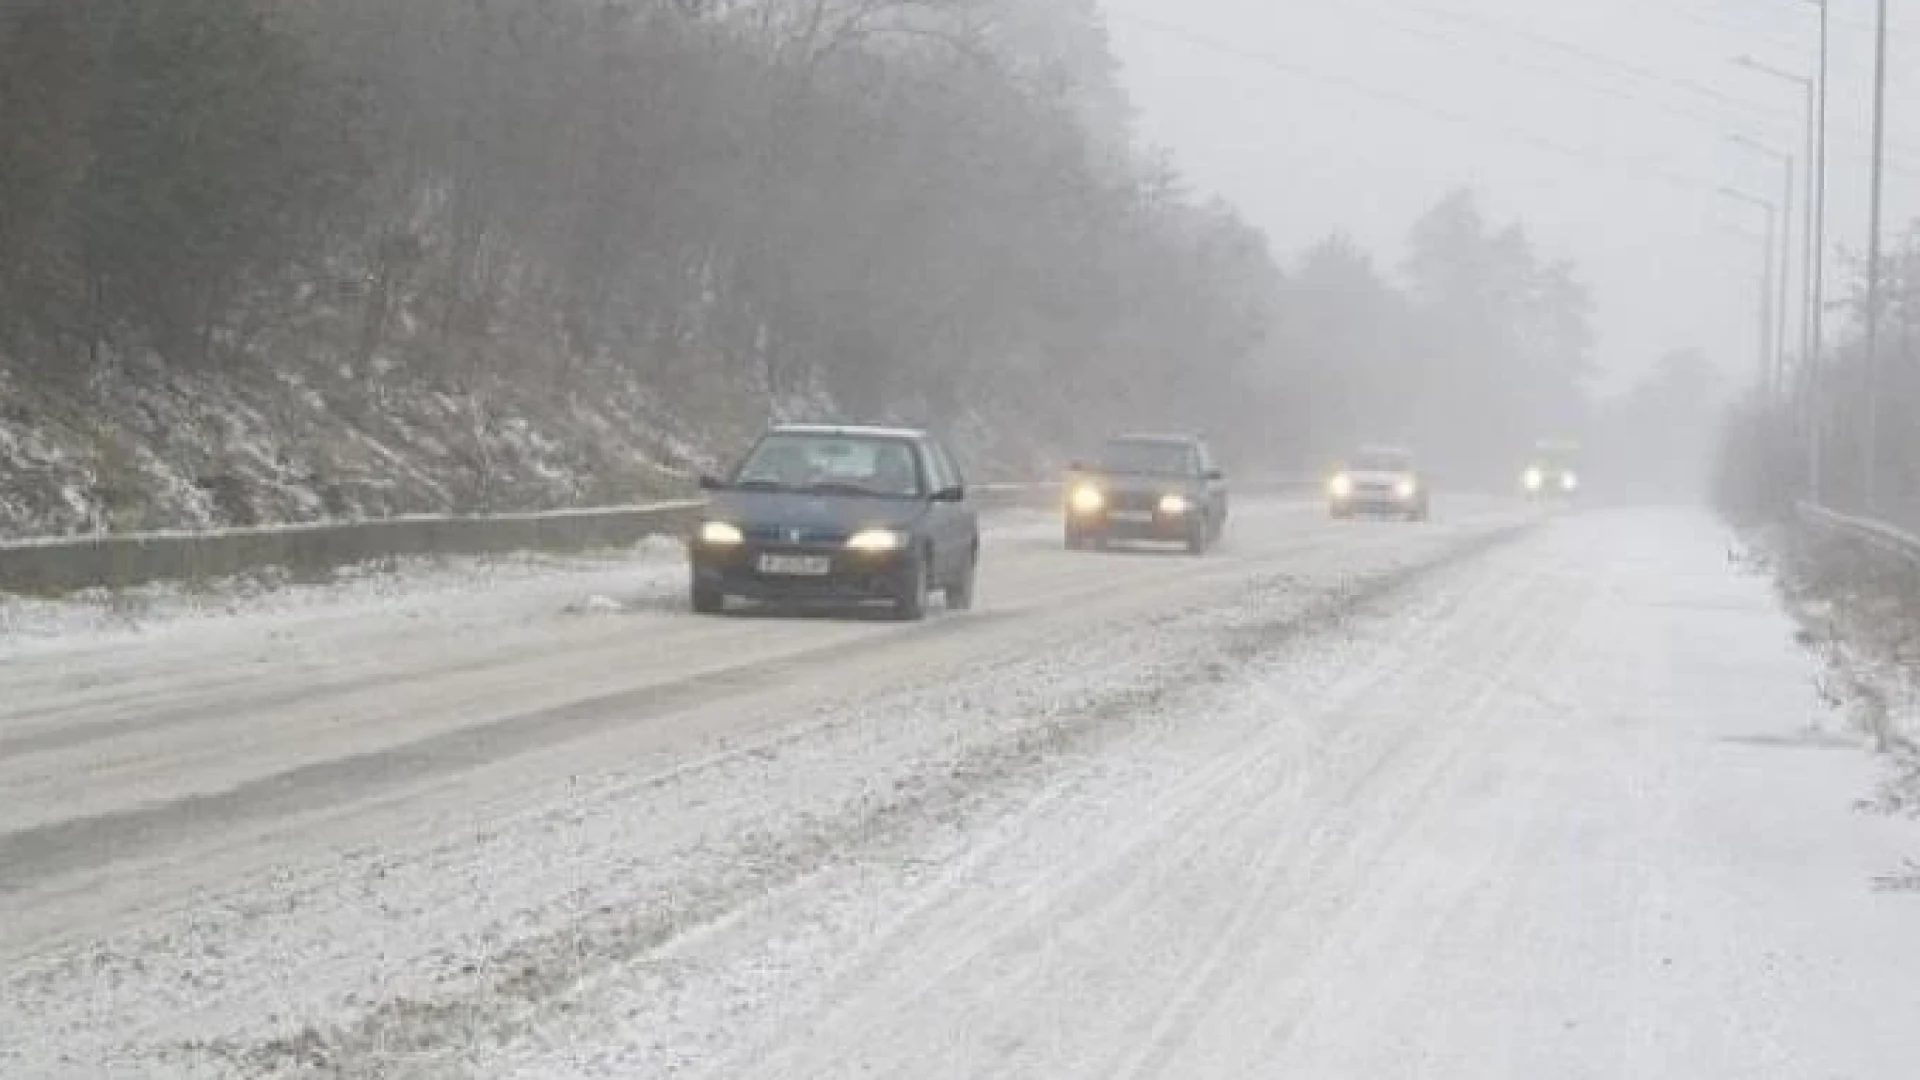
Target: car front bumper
1137,525
850,577
1378,502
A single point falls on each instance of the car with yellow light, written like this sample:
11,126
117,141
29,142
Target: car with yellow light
1379,482
1147,489
842,515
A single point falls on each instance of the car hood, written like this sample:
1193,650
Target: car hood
1370,477
834,513
1136,484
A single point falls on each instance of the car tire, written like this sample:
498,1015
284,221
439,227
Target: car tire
960,590
1075,539
910,603
1197,539
708,600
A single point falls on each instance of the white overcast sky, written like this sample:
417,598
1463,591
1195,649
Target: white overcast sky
1604,125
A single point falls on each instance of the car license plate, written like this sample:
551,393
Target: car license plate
796,565
1132,516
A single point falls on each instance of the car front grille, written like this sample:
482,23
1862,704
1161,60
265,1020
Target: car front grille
796,536
1134,501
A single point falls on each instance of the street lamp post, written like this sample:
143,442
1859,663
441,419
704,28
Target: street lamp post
1767,353
1811,224
1776,378
1816,386
1870,476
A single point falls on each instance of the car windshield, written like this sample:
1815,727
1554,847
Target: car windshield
833,464
1382,461
1148,457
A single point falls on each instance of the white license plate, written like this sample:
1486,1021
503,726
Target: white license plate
796,565
1132,516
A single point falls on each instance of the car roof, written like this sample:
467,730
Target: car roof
856,431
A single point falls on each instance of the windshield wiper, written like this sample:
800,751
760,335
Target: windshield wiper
839,488
761,485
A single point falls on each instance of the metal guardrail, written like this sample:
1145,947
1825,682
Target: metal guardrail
1877,534
57,565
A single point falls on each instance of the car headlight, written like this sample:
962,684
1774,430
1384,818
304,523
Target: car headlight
1569,482
1533,478
1340,486
1087,499
721,534
877,540
1173,505
1406,489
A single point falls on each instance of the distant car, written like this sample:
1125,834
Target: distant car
1551,472
1151,488
1549,479
839,514
1382,481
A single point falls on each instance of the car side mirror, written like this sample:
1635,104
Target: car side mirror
1216,474
1078,466
953,494
711,483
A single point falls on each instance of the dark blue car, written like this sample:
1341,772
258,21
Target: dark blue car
839,515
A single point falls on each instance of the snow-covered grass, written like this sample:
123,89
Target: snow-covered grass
1858,607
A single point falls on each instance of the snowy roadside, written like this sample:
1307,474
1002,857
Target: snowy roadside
400,588
1858,612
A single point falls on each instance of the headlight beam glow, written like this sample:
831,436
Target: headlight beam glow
873,540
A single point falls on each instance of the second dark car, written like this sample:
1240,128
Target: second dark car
1165,488
839,514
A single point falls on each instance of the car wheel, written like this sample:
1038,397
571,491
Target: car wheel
1197,539
1076,540
708,600
910,603
960,590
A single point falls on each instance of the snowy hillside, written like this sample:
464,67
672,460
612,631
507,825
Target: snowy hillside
156,447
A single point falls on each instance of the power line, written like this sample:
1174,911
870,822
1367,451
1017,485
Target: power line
1639,169
1720,124
1615,64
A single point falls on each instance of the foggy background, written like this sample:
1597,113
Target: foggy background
1604,126
326,259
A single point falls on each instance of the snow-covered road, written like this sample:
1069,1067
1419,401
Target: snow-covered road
1489,798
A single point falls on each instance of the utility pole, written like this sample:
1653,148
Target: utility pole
1769,348
1780,279
1809,226
1870,480
1776,361
1816,360
1768,352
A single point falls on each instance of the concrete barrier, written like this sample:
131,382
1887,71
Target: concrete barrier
67,564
